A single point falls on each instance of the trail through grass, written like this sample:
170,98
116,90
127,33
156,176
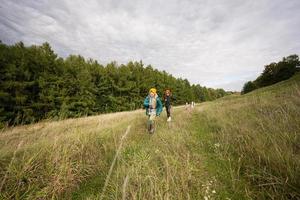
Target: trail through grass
158,166
238,147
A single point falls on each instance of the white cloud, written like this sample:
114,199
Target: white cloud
214,43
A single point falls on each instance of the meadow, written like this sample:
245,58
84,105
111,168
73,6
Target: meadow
236,147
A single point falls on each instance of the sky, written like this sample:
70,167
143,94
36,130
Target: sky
214,43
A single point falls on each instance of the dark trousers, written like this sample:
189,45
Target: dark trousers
168,109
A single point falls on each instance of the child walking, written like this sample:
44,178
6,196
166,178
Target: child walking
167,100
153,106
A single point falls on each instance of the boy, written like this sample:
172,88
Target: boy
153,106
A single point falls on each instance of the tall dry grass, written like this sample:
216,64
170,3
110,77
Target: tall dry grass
158,166
48,159
239,147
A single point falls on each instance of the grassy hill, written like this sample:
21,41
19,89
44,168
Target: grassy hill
238,147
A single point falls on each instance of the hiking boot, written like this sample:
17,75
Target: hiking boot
152,131
149,126
169,119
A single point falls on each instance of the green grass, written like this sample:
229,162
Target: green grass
238,147
158,166
258,141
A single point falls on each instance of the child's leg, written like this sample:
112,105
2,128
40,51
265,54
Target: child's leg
149,124
152,122
167,110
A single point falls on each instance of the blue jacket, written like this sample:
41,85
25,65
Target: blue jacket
159,106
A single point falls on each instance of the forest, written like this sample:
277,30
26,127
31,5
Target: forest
274,73
36,84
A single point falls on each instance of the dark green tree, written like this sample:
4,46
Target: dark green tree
248,87
36,84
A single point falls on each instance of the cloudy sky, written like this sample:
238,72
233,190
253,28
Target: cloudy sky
217,43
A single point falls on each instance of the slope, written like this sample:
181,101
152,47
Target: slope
238,147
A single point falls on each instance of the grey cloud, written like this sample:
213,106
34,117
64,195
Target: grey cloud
214,43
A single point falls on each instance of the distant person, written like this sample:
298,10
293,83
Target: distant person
154,107
186,105
168,103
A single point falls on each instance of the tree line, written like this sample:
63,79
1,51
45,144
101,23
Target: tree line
36,84
274,73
